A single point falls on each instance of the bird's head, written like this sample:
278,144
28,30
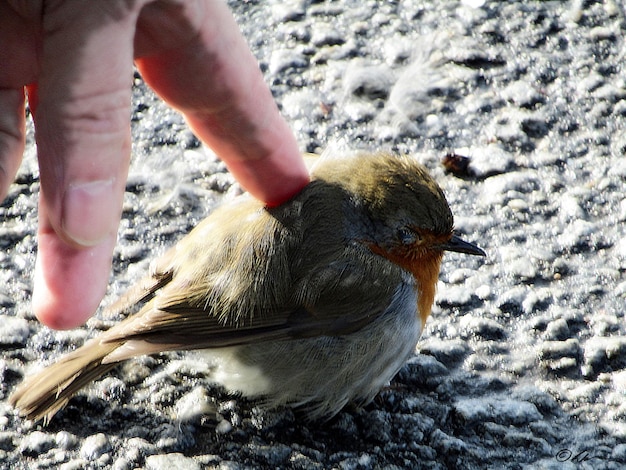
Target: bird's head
407,218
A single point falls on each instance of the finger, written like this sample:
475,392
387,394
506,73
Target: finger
215,81
81,115
69,282
82,119
12,136
19,23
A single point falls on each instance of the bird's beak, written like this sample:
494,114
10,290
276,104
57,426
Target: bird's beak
461,246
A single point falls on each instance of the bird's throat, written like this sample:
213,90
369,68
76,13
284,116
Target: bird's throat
425,269
426,273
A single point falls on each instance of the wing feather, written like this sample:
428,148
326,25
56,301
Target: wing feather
268,278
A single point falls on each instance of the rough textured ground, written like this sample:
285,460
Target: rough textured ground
523,363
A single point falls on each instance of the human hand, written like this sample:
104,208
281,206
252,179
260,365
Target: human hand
74,61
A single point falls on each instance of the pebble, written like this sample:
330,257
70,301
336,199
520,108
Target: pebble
484,292
122,463
223,427
65,440
526,440
297,104
577,235
423,365
299,460
459,276
518,205
36,443
194,405
368,81
601,354
111,388
557,330
7,440
586,393
95,446
359,111
516,129
171,461
570,208
557,349
273,456
283,59
544,402
562,366
538,299
523,94
481,328
496,188
408,97
454,296
604,324
136,448
326,35
619,382
446,444
620,248
488,160
521,268
13,331
173,436
561,357
590,83
498,409
449,352
6,301
75,464
291,10
619,453
512,300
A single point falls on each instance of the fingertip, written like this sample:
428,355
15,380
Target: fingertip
69,282
54,312
274,179
292,187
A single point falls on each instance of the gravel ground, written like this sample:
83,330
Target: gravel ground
523,362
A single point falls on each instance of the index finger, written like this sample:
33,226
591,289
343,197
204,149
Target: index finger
214,79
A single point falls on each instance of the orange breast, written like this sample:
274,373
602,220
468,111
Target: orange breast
426,273
424,265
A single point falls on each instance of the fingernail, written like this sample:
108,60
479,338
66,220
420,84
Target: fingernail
89,211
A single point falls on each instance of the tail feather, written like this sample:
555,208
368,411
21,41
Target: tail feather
42,395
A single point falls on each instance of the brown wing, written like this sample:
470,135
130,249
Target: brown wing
259,278
334,299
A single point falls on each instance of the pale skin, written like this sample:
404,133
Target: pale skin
72,61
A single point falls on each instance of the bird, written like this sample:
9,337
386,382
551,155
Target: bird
313,304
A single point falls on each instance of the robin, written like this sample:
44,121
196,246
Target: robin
313,304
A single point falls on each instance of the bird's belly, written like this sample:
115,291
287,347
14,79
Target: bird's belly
323,374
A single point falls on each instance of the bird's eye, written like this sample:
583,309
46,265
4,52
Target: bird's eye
407,236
